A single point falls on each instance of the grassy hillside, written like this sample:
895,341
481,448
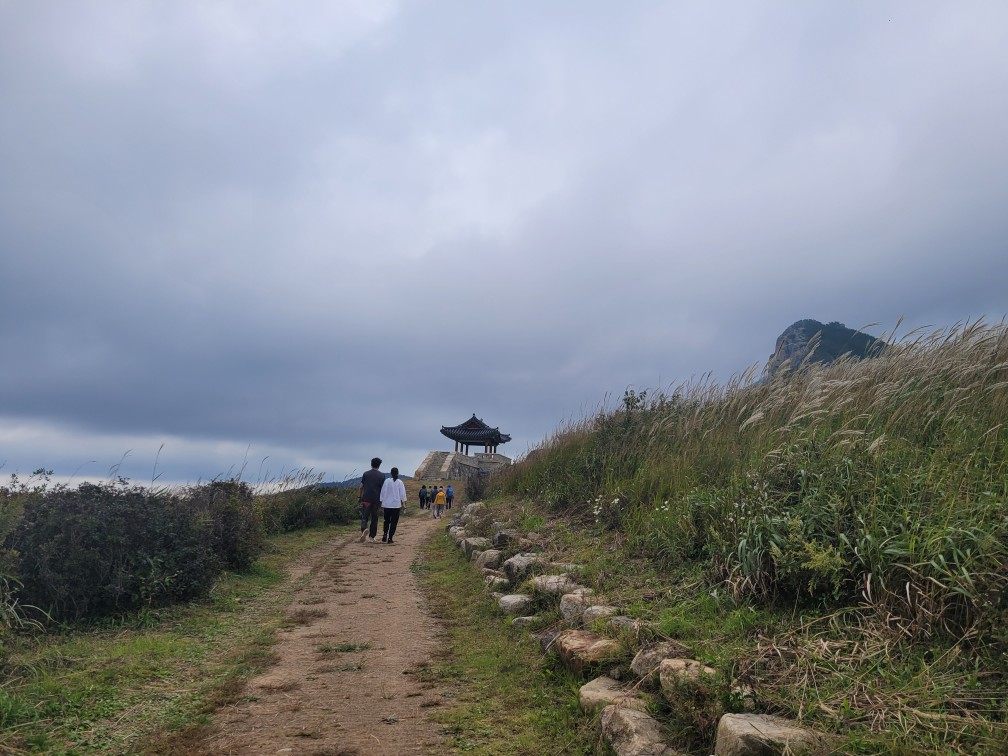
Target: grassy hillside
835,540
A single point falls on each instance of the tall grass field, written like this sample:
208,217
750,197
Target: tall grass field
834,537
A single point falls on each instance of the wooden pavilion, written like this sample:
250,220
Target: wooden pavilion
475,432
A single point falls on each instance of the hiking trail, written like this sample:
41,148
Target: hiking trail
349,675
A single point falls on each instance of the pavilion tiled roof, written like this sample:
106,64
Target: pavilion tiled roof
475,431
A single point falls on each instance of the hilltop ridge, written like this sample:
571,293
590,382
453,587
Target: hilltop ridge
823,343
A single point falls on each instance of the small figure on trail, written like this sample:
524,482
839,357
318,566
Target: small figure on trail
370,500
449,494
423,497
439,502
393,500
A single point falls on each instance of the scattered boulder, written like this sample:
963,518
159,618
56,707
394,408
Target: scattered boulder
518,567
458,535
674,672
749,734
582,648
491,558
647,661
555,585
605,691
515,603
632,733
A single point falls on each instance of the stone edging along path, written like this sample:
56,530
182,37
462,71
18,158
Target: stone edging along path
508,560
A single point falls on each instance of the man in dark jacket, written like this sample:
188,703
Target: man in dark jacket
370,500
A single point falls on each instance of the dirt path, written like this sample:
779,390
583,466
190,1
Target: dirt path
348,676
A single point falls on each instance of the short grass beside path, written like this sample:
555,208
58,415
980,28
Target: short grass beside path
502,695
150,678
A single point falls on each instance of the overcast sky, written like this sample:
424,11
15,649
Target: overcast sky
288,235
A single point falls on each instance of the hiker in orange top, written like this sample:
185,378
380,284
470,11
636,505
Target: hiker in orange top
439,502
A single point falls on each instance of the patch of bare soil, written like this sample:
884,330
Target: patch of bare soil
350,672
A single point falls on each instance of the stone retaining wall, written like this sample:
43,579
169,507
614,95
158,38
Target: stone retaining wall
598,641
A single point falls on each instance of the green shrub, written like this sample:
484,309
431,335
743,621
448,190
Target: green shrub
306,507
103,549
231,523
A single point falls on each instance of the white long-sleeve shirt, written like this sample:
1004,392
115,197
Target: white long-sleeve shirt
393,493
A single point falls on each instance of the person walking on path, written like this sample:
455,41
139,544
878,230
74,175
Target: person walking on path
439,502
423,497
393,499
449,495
370,500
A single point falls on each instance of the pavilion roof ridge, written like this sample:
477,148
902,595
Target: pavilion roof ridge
475,431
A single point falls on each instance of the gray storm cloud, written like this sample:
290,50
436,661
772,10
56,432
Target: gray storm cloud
308,233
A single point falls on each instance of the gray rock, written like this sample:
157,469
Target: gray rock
555,585
621,623
520,566
491,558
632,733
579,649
546,639
573,605
473,544
758,734
605,691
525,621
647,661
515,603
674,672
504,538
496,583
597,612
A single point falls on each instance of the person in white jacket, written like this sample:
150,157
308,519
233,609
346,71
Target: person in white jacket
393,499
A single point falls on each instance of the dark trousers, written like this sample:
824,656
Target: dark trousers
390,519
369,512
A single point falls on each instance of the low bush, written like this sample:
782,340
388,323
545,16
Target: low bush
104,549
306,507
231,522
